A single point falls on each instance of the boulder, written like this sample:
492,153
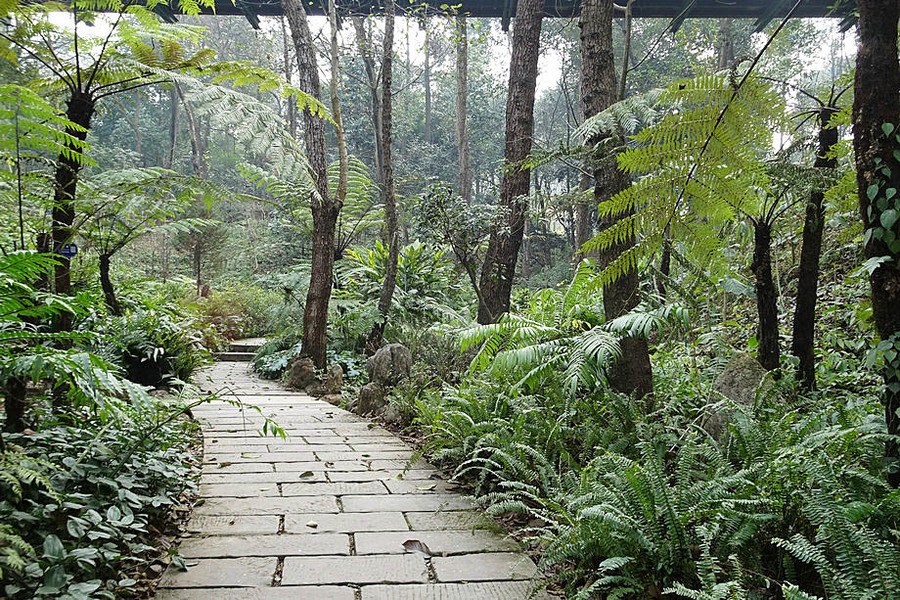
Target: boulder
332,384
301,372
333,399
372,398
740,381
390,365
392,414
334,379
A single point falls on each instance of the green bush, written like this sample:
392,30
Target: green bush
77,513
154,346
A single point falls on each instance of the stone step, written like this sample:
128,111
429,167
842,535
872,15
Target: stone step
234,356
242,347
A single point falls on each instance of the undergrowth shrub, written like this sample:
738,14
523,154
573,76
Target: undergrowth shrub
81,509
153,345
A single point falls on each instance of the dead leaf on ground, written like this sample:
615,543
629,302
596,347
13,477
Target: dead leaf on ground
416,546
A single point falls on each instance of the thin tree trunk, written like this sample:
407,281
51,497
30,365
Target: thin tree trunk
508,228
109,293
426,79
136,125
876,102
198,263
288,72
14,404
769,350
632,373
583,229
364,43
626,54
389,201
462,126
803,345
324,210
79,110
173,128
198,161
724,45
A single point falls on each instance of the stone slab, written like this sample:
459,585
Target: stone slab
371,475
226,572
333,489
438,542
405,502
345,522
492,590
233,524
233,546
484,567
354,570
432,521
318,592
267,505
239,490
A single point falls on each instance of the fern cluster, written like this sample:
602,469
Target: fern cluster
700,166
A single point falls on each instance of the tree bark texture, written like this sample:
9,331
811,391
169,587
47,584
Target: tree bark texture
14,404
324,210
803,344
632,373
725,44
79,109
768,350
876,102
390,203
462,125
509,226
364,44
288,71
109,293
426,79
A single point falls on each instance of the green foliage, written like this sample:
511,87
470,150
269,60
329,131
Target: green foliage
96,493
153,345
563,331
699,167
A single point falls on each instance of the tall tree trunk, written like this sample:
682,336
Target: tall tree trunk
173,128
364,44
724,44
583,228
632,373
803,346
14,404
325,210
288,73
389,201
109,293
198,161
426,79
508,228
136,125
769,350
462,126
79,109
876,102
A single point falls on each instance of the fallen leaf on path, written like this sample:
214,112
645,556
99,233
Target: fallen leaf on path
416,546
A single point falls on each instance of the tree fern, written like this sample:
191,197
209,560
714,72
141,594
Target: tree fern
695,171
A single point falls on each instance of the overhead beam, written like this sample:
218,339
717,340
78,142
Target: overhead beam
552,8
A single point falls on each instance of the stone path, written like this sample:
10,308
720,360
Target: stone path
330,513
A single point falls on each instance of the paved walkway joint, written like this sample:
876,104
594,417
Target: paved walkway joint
337,511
